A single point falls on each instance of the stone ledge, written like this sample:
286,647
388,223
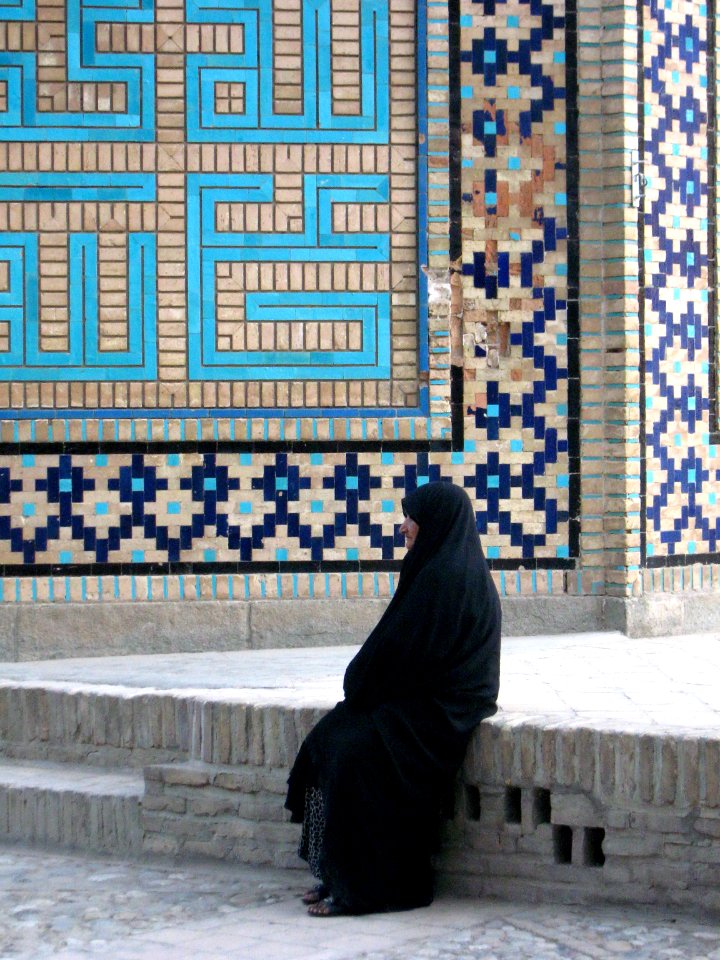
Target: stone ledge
107,629
135,728
591,782
187,626
584,814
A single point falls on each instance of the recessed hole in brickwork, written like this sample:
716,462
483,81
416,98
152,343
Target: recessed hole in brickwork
513,805
593,855
541,806
562,844
472,802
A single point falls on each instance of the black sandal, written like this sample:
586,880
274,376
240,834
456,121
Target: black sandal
315,894
328,907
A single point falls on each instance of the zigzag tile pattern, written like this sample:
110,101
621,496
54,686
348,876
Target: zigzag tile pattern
116,509
682,463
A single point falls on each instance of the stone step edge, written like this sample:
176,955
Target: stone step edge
614,765
63,805
219,811
70,778
197,802
123,727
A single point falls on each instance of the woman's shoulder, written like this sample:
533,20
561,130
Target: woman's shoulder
442,574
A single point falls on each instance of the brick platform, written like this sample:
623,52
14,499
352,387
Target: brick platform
598,780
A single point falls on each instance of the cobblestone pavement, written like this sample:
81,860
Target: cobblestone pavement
76,906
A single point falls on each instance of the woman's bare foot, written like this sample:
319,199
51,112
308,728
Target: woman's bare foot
315,894
328,907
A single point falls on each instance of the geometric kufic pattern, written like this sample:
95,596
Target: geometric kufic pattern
82,356
108,90
314,119
515,261
682,464
215,207
366,355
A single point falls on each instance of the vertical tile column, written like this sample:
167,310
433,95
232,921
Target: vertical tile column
435,196
172,386
683,464
520,338
609,310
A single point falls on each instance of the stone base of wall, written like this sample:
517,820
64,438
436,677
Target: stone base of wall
46,631
663,614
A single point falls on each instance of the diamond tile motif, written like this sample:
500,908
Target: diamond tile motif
682,464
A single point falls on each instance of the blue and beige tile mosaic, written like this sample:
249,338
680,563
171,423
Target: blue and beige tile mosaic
110,510
214,343
516,263
225,215
216,349
683,467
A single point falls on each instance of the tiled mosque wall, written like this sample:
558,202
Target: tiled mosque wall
223,363
680,279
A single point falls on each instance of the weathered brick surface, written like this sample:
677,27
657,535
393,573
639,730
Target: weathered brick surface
628,806
560,810
574,809
42,813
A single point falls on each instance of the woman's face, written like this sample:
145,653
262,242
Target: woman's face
410,531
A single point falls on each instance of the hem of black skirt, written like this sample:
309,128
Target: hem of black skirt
396,907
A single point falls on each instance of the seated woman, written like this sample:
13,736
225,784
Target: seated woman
370,778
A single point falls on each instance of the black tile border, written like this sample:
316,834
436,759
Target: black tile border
148,447
249,568
641,276
682,560
573,258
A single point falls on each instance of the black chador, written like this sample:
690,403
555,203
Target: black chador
381,762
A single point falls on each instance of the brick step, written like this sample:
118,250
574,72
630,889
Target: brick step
589,810
68,805
230,812
103,726
125,727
